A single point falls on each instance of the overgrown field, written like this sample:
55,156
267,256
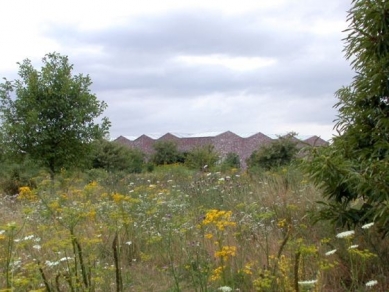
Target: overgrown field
175,230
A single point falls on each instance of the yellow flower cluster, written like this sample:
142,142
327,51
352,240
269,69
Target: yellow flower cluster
216,273
221,219
117,198
26,194
248,269
225,252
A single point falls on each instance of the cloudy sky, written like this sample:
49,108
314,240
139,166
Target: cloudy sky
193,66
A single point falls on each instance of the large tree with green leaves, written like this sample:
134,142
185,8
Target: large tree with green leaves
354,170
50,114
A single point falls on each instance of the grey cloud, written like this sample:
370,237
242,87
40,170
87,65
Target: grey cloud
135,73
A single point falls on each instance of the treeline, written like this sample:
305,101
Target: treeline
113,156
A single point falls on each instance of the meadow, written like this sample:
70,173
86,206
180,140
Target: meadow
180,230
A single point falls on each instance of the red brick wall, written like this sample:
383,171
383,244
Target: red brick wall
224,143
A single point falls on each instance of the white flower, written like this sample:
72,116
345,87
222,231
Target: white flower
225,289
345,234
129,242
36,246
28,237
368,225
371,283
50,264
65,259
330,252
353,246
307,283
2,231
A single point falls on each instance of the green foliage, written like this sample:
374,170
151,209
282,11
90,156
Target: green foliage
231,161
50,114
113,157
278,153
166,152
353,171
14,176
101,231
201,158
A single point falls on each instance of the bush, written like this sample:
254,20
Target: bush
201,158
15,175
166,152
279,153
232,160
114,157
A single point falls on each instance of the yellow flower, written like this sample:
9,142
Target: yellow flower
25,193
208,235
216,273
248,269
221,219
225,252
117,198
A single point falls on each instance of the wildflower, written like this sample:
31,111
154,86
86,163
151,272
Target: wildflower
368,225
330,252
28,237
225,252
247,269
36,246
345,234
225,289
216,273
129,242
371,283
353,246
209,235
51,264
307,283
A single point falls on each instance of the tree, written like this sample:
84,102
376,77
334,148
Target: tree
166,152
278,153
203,157
113,156
50,114
353,172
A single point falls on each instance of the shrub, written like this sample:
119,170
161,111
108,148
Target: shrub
279,153
231,160
113,157
202,157
166,152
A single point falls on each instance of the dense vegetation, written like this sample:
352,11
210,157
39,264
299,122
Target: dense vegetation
80,213
181,230
353,171
49,115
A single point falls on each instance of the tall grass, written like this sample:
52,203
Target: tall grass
178,230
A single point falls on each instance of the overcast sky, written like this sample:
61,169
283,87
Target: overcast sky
193,66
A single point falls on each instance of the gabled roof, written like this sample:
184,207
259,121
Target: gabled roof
316,141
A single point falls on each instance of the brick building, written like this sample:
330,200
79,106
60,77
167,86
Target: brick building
224,143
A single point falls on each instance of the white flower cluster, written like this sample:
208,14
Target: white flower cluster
307,283
225,289
345,234
371,283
